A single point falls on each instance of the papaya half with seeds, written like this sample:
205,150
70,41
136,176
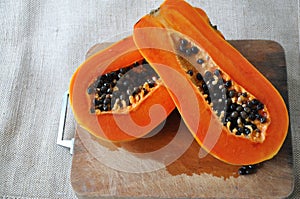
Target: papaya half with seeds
115,94
233,111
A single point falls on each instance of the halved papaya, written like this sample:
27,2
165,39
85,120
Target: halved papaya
115,94
107,119
233,111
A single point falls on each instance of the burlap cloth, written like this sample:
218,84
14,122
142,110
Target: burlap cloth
42,43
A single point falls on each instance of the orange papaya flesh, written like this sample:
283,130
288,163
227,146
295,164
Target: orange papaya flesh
236,114
114,133
116,96
206,18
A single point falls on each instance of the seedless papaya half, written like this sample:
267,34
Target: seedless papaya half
242,118
109,114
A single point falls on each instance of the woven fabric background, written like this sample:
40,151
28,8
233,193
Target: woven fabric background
42,43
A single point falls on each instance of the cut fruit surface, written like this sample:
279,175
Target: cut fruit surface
233,111
117,96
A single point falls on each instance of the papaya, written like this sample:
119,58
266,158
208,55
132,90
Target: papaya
231,109
116,95
120,113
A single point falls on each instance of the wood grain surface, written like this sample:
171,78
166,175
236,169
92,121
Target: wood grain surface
137,169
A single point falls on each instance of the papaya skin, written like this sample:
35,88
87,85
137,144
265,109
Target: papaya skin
152,37
151,111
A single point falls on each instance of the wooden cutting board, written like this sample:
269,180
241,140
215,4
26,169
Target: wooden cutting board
138,169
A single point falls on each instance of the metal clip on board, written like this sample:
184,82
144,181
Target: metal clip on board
62,123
